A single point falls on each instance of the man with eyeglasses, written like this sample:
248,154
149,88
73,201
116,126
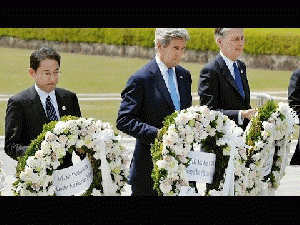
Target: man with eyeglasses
42,103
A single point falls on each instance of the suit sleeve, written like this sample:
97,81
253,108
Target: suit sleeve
208,91
294,92
14,121
77,111
190,90
129,116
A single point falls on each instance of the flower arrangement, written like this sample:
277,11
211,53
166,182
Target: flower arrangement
35,170
259,170
185,131
2,178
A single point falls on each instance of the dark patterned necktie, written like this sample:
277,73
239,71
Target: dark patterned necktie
238,80
50,110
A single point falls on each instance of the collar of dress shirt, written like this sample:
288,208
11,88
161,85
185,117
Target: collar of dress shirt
43,95
164,72
229,64
162,67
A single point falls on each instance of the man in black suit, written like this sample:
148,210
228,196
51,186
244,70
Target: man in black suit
223,83
151,94
294,102
29,110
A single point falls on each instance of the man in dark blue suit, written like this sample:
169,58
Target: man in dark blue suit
151,94
223,83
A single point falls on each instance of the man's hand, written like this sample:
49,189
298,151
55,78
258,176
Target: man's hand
247,114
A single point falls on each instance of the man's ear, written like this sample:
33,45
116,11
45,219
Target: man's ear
32,73
159,45
218,41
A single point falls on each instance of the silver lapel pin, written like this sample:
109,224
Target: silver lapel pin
64,108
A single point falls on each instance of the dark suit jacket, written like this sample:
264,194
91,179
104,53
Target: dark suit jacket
146,103
294,102
25,117
294,91
218,90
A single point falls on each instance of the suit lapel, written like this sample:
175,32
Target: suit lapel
161,84
181,88
37,107
227,75
162,87
61,103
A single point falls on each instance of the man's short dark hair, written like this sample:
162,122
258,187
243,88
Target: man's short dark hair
220,32
43,54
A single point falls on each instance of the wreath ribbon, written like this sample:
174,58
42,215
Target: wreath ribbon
109,188
228,189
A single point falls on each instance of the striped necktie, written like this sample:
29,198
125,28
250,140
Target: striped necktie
50,110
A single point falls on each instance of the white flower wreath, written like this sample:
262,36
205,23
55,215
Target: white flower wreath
268,134
183,132
45,154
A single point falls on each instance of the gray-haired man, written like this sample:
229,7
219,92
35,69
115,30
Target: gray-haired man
223,83
151,94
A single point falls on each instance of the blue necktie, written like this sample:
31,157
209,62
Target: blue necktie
50,110
172,90
238,80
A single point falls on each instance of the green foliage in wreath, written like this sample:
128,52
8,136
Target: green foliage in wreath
268,136
181,133
95,161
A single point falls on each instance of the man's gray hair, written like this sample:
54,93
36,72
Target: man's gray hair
165,35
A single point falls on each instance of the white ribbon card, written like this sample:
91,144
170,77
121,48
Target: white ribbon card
73,180
202,167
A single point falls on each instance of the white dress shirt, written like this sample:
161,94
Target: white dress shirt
229,63
43,96
164,72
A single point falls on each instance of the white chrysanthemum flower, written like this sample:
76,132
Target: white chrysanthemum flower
96,192
183,118
168,140
46,147
166,186
72,139
50,137
60,127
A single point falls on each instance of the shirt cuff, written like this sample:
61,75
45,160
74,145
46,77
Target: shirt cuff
240,119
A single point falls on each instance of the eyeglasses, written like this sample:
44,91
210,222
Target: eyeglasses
48,74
